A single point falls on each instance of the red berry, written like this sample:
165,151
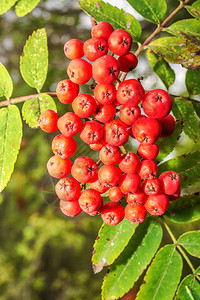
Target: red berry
59,167
103,30
73,49
70,209
127,62
91,132
63,146
175,195
98,186
95,48
105,93
152,186
170,181
84,169
105,113
98,145
109,175
130,183
168,125
48,120
157,204
66,91
129,114
110,155
84,105
79,71
146,130
105,69
112,213
115,133
90,200
130,91
120,42
129,163
148,169
115,194
148,151
68,189
69,124
135,213
136,198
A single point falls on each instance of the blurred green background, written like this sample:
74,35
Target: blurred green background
44,254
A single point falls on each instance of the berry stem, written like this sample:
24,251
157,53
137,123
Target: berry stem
180,249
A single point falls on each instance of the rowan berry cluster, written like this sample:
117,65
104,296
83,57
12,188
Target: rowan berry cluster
117,117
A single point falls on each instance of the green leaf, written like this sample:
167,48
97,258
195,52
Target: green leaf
136,256
110,243
10,139
33,107
186,165
188,29
196,105
34,61
23,7
167,144
185,209
177,50
151,10
189,289
194,10
187,112
6,85
161,68
118,18
191,242
6,5
193,81
163,275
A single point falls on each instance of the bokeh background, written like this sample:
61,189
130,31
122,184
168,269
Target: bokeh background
44,254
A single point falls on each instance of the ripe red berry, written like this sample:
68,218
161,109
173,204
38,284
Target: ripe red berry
148,151
146,130
105,113
127,62
157,103
136,198
115,194
109,175
59,167
170,181
105,93
70,209
105,69
48,120
84,105
98,186
95,48
110,155
130,91
84,169
98,145
68,189
175,196
152,186
157,204
103,30
63,146
66,91
148,169
129,114
90,200
91,132
79,71
135,213
73,49
116,133
69,124
168,125
129,163
130,183
112,213
120,42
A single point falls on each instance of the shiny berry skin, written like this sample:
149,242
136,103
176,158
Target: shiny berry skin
68,189
95,48
98,186
59,167
176,195
98,145
135,213
112,213
103,30
66,91
91,132
90,200
116,133
48,121
69,124
148,169
152,186
148,151
63,146
105,69
157,103
84,105
130,91
129,114
115,194
170,181
136,198
146,130
110,155
129,163
84,169
120,42
130,183
105,113
70,209
73,49
168,125
105,93
157,204
127,62
109,175
79,71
